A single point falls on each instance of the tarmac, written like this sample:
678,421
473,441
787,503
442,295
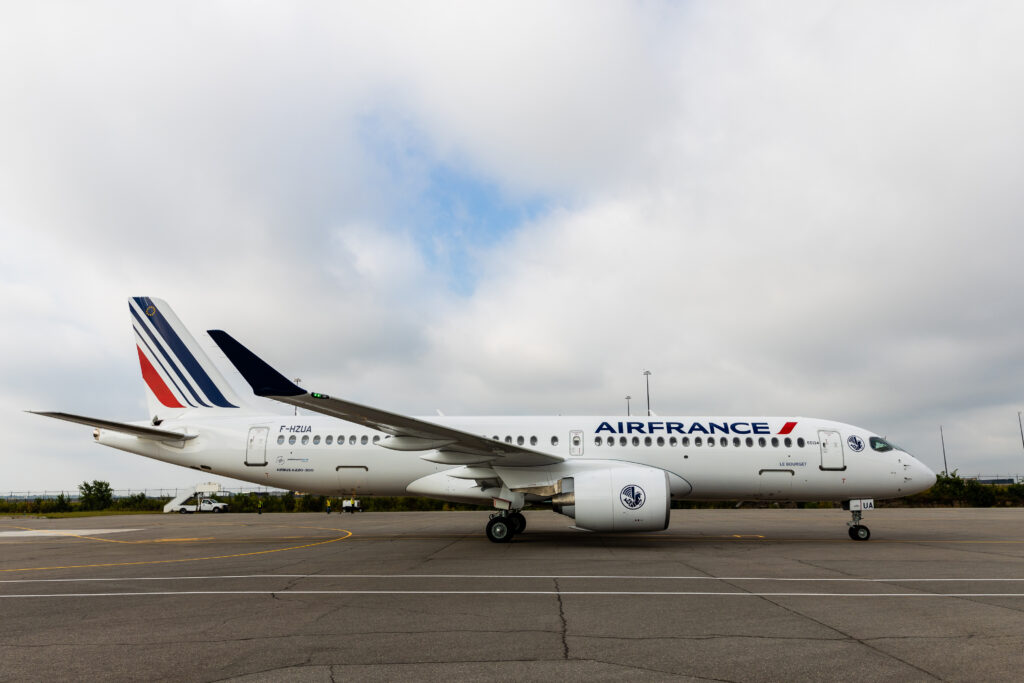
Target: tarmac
724,595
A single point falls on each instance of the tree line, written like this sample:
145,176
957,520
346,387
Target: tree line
950,490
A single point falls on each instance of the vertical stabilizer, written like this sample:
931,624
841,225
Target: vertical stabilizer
178,374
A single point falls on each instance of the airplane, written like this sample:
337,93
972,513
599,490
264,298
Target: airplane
606,473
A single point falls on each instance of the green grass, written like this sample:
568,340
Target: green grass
90,513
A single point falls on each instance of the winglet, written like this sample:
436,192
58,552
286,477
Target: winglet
264,380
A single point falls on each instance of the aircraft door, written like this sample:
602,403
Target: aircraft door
576,442
256,447
832,457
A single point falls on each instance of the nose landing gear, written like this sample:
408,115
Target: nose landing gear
857,531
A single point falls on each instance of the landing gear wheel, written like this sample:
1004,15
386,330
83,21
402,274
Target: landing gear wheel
518,522
500,530
858,531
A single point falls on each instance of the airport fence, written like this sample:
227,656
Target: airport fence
73,494
995,478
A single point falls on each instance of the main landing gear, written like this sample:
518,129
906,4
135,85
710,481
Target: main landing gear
504,525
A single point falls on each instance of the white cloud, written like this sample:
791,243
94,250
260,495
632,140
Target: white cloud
804,209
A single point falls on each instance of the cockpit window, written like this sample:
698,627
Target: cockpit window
881,445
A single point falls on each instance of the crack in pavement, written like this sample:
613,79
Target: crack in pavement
846,636
561,616
850,637
659,671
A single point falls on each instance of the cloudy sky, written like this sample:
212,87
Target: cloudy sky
780,209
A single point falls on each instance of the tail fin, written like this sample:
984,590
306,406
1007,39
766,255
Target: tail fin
179,376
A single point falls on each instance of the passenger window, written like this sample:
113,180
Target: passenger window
291,440
723,442
329,440
800,442
520,441
775,442
495,437
636,440
508,439
622,441
364,439
661,441
647,441
761,442
750,441
711,442
736,441
611,440
698,442
686,442
788,442
316,440
672,441
554,441
376,439
352,440
280,439
533,441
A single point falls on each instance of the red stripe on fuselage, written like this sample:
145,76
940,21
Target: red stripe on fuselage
155,383
787,428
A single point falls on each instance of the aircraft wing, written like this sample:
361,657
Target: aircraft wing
418,434
135,430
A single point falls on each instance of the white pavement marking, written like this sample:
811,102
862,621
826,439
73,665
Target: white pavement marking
515,576
560,593
61,532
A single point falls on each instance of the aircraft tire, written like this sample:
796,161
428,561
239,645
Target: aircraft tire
500,530
860,533
518,522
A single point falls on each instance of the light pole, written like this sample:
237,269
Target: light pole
627,405
1019,424
647,378
945,466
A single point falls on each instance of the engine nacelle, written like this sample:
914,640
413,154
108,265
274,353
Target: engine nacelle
617,499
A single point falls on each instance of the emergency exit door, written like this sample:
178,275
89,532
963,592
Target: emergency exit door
576,442
256,447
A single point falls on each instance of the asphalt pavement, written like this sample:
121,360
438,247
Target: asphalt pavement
727,595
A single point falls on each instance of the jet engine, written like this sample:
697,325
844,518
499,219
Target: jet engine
616,499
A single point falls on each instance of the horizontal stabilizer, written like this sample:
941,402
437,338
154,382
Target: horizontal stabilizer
135,430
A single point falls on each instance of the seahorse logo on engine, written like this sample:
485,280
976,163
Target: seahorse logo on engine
632,497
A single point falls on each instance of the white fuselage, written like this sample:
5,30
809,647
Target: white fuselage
760,458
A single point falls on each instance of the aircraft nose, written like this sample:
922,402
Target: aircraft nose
921,475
